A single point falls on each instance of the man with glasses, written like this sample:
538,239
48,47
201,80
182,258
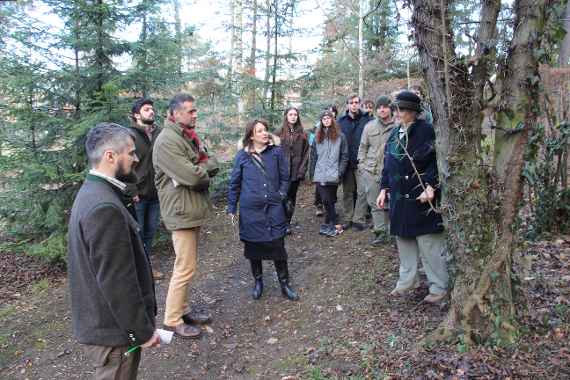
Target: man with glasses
352,124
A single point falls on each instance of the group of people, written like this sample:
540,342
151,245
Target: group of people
143,173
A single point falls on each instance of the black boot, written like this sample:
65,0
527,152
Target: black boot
283,274
257,271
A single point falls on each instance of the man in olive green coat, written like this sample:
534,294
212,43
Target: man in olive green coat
183,171
370,163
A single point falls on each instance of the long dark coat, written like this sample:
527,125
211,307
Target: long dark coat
296,149
409,217
261,214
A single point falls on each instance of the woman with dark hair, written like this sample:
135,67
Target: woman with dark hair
330,158
259,182
318,202
295,144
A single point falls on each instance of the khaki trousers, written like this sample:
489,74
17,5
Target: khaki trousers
368,190
431,248
186,249
348,193
111,363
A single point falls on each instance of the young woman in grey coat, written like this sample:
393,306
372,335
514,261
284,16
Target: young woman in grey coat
330,158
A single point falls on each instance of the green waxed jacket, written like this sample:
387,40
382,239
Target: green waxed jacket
371,149
182,182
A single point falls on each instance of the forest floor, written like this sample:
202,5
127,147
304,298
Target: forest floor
346,326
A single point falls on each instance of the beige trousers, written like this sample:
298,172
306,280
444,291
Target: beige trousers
431,248
186,249
111,363
348,194
368,190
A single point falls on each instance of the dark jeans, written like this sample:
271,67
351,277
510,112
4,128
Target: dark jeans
292,194
328,196
318,200
148,216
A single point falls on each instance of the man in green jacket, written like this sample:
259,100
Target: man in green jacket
370,163
113,304
183,170
142,189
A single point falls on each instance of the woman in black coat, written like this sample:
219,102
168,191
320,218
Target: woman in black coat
259,182
410,176
295,144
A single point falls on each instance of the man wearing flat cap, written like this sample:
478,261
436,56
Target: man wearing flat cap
410,177
370,162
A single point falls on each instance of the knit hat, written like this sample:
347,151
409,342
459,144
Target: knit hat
383,101
326,113
139,104
407,100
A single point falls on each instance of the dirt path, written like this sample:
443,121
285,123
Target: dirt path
345,326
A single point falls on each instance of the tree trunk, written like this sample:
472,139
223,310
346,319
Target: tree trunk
77,84
99,47
252,57
274,68
360,49
143,58
178,38
564,55
479,207
267,50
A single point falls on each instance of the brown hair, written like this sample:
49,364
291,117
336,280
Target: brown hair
249,129
334,130
285,134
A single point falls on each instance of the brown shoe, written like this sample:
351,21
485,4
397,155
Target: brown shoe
185,331
157,275
196,318
434,298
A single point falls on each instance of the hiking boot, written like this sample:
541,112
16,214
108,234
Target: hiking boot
359,226
185,331
196,318
434,298
287,291
257,289
380,238
319,211
332,232
401,291
324,230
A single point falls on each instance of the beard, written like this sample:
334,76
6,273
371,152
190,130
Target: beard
147,121
124,176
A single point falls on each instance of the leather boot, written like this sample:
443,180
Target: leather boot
257,271
283,274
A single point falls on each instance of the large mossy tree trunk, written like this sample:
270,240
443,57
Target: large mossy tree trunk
479,202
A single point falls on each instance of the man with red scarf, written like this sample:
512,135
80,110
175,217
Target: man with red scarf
183,170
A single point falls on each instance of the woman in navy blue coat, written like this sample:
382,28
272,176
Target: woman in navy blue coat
410,177
259,183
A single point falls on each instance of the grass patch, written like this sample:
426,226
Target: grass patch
7,311
40,286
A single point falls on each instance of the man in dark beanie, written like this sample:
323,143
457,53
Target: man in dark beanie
370,163
142,188
414,218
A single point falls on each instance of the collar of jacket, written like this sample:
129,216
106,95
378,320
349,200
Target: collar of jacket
125,198
267,148
357,116
174,126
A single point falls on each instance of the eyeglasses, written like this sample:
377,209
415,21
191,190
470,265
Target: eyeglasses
355,102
